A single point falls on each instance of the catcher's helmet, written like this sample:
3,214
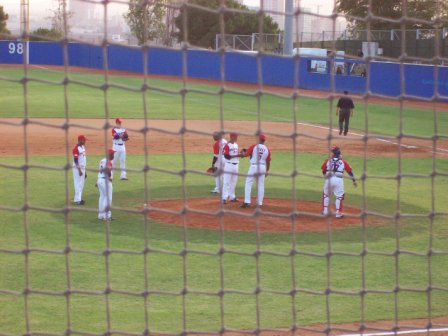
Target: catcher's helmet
336,151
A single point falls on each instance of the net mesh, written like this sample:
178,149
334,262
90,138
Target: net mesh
255,301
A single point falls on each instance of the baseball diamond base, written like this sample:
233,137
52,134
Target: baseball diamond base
276,215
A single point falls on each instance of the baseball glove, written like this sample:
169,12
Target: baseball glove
211,170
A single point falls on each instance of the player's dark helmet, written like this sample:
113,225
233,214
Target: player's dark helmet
336,151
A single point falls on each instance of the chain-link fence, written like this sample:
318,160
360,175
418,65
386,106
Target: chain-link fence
419,43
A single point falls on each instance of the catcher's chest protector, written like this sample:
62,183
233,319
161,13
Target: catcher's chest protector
336,166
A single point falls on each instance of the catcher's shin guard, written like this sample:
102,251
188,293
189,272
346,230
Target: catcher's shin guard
339,203
325,203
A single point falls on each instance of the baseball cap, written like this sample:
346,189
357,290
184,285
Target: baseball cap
118,121
233,134
111,151
82,137
262,136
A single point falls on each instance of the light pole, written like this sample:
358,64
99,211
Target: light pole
25,19
289,19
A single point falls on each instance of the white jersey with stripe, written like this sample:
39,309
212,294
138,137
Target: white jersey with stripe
104,163
79,152
259,154
232,150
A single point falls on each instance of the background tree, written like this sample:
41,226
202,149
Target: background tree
3,19
202,26
45,34
145,20
60,15
393,9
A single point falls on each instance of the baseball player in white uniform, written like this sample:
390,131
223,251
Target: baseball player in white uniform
217,161
119,137
333,171
79,168
104,184
231,163
260,160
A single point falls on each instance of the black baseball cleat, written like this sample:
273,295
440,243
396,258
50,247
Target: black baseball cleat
340,132
244,205
79,203
124,179
223,201
235,200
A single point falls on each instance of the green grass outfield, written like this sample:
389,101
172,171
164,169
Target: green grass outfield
86,99
307,271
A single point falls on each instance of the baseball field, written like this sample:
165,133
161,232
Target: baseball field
187,263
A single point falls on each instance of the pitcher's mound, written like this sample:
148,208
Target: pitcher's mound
276,215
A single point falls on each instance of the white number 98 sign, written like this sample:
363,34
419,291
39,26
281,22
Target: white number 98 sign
15,48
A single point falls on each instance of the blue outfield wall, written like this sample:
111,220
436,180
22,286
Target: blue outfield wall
382,78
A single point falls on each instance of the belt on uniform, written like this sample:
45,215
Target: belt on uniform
234,163
256,164
119,144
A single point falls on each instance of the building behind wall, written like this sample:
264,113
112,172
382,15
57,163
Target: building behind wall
84,11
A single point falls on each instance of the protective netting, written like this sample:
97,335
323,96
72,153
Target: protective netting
146,277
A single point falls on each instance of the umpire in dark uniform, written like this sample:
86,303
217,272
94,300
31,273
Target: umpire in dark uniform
344,110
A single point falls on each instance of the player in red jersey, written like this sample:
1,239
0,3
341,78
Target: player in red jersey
104,184
119,137
217,161
231,163
333,171
79,168
260,161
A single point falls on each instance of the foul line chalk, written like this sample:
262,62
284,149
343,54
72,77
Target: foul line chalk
379,139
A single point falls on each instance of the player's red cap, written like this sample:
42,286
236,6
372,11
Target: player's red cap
262,136
233,134
111,151
82,137
118,121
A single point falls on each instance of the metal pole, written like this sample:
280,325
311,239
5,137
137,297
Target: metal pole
289,20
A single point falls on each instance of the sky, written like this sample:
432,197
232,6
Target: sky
41,7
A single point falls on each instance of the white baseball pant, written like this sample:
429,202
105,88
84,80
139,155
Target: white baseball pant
78,182
336,185
258,172
230,180
219,175
105,200
120,156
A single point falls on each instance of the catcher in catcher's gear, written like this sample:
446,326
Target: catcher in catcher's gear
333,171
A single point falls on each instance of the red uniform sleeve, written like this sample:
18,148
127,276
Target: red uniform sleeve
347,167
324,167
216,148
113,132
226,150
269,156
75,152
250,150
